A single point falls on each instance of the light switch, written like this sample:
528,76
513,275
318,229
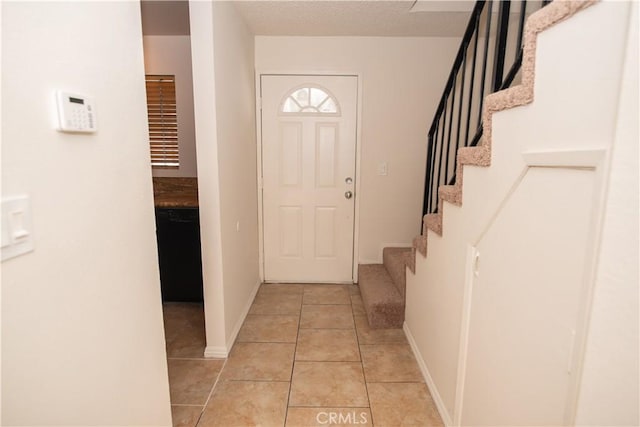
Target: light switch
383,168
17,232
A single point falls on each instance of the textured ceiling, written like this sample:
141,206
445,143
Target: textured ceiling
348,18
323,18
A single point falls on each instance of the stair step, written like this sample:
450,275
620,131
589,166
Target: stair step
395,261
382,301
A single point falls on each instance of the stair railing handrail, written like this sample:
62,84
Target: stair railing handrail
442,146
468,34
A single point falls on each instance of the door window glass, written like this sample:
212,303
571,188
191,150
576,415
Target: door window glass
309,100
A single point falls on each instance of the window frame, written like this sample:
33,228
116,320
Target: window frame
309,86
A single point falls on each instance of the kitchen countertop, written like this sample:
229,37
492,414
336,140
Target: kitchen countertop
175,192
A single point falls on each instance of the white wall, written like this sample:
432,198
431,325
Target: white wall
172,55
402,81
82,333
235,106
578,69
609,391
1,116
201,23
227,165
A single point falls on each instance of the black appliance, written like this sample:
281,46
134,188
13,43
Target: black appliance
179,255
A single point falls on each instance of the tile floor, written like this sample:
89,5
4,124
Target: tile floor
305,356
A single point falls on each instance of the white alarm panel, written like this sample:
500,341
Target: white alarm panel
76,113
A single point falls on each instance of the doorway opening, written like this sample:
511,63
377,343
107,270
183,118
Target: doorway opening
167,60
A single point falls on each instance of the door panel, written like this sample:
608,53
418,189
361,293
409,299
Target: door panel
326,140
307,155
525,301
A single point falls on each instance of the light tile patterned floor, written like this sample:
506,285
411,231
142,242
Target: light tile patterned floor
305,356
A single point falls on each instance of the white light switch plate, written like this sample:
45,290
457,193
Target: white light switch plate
383,168
17,228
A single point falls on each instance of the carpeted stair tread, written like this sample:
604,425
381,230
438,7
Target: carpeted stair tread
395,261
383,303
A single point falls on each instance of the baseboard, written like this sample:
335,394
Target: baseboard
431,385
236,329
216,352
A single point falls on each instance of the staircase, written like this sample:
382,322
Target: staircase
382,287
508,85
502,303
463,301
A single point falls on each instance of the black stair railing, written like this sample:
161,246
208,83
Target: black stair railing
488,60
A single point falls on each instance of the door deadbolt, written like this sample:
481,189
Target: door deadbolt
348,180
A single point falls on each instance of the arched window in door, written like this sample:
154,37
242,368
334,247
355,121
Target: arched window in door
310,100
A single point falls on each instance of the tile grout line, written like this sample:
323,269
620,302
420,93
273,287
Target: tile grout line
255,381
189,358
293,362
258,342
366,386
203,406
215,383
296,348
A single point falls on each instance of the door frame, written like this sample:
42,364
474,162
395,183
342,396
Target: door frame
356,214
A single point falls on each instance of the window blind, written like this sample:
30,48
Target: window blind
163,121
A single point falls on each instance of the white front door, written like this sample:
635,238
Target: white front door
308,174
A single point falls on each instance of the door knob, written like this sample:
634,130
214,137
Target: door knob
348,195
